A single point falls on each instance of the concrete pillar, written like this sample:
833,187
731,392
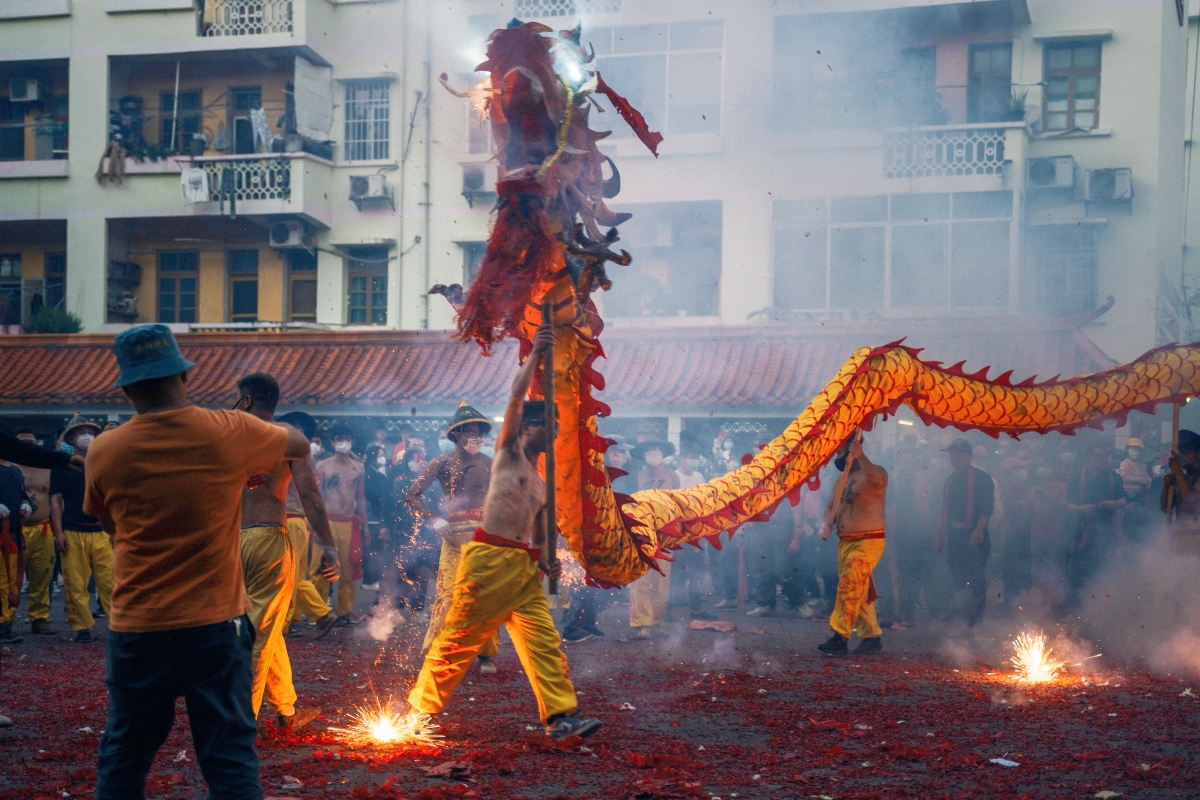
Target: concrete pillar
331,289
87,270
674,428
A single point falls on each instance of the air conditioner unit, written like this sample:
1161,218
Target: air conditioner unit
287,234
365,187
22,90
479,182
1057,172
1109,184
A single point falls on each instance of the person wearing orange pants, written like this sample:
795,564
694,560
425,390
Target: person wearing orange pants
306,599
497,582
39,567
447,575
856,508
342,482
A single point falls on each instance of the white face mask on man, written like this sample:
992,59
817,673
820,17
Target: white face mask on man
342,447
381,460
84,440
315,449
473,444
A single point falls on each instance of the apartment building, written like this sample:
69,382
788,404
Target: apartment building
978,176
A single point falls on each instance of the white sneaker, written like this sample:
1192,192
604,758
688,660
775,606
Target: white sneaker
371,587
805,611
726,604
761,611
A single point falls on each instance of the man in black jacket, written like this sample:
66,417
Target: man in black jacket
968,502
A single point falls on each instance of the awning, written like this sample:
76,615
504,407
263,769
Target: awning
771,369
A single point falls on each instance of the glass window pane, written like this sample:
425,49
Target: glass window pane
1058,87
379,316
697,35
358,283
856,267
800,212
245,299
924,207
919,268
304,298
1057,106
694,104
167,285
243,261
640,39
1056,122
1086,56
800,268
979,257
166,314
358,315
1085,103
981,60
187,301
1058,58
1085,84
187,315
187,284
976,205
858,209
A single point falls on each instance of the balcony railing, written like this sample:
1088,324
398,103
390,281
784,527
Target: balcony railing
943,151
245,17
248,178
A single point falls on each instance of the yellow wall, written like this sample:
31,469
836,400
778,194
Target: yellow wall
211,287
151,82
271,269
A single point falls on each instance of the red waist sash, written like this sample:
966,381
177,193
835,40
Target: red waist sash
483,537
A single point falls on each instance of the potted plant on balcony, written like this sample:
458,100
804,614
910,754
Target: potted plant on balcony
1016,105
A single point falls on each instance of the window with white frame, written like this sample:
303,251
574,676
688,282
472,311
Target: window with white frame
913,251
669,72
368,120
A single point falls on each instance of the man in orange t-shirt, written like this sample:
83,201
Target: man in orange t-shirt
167,487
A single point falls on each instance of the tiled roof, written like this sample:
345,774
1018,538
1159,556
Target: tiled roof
687,370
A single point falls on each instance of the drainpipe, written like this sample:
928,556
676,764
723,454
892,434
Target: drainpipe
428,165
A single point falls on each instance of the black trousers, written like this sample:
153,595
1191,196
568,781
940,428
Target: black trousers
418,565
968,563
587,603
774,565
211,668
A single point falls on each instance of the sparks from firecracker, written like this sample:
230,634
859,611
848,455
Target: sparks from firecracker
384,724
1033,659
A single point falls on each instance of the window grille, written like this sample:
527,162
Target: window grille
368,120
565,8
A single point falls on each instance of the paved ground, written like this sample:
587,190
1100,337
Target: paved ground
751,714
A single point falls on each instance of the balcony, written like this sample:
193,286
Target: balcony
245,17
978,151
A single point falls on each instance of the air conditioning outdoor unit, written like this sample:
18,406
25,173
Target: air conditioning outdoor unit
479,182
287,234
364,187
1109,185
22,90
1057,172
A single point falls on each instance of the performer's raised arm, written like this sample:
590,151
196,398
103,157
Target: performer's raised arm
510,431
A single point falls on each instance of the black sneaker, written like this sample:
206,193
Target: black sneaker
704,615
567,727
575,637
99,614
835,645
869,646
7,636
83,637
325,624
596,631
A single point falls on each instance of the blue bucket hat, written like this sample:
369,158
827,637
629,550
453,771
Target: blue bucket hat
145,352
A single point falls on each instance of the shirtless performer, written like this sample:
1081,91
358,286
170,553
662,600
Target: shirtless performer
464,474
306,599
342,484
269,562
39,543
498,581
860,524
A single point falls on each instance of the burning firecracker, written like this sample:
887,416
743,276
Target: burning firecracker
1033,661
383,724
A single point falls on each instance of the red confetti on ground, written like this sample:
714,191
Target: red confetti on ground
761,716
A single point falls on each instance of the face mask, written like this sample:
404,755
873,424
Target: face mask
342,447
691,464
654,458
416,467
381,461
473,445
315,449
84,441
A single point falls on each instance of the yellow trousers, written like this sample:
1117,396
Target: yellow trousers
89,554
269,566
306,599
856,562
648,597
346,591
496,586
8,580
39,567
447,574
